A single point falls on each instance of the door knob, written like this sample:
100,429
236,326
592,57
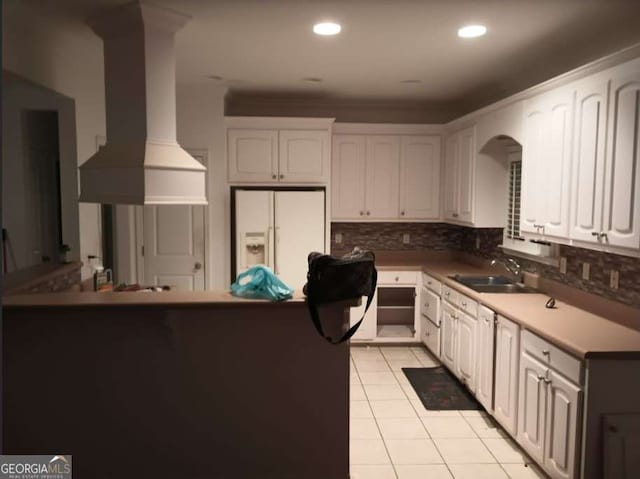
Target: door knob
198,265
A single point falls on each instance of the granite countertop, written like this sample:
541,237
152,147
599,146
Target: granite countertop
145,299
579,332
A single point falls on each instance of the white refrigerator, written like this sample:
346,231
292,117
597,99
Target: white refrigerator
279,229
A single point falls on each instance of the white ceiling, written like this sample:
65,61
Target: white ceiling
267,47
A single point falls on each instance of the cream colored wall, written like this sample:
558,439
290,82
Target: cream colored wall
200,118
66,58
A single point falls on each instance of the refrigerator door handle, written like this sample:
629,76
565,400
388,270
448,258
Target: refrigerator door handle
275,246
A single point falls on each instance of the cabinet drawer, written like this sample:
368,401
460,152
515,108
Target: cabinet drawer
429,305
431,283
450,294
460,301
397,277
468,305
552,356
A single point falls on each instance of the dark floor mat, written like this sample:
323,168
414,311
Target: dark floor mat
439,390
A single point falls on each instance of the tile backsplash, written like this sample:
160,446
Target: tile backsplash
442,236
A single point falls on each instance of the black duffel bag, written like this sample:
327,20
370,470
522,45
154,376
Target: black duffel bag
332,279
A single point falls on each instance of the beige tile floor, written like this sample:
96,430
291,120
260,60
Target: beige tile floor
394,437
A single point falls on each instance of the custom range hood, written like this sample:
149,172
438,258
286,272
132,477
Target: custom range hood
142,163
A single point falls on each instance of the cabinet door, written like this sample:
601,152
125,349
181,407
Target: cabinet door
484,391
466,350
383,177
253,155
507,360
348,177
431,336
465,174
556,173
622,183
451,178
532,194
303,156
589,161
420,177
564,404
532,406
448,332
367,330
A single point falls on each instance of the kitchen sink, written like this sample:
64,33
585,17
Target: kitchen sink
492,284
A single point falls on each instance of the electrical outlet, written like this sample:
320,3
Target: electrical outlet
563,265
614,279
406,238
586,269
338,238
477,241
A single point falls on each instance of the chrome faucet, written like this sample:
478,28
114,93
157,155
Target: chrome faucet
510,265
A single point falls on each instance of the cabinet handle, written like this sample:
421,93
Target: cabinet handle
546,352
464,304
397,278
428,334
274,176
595,233
602,235
546,381
281,176
455,215
368,213
446,293
402,213
362,213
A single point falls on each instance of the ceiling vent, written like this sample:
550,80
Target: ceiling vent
141,163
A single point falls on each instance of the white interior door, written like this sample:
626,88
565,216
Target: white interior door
299,230
173,241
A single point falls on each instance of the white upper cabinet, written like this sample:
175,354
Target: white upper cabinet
383,177
450,178
348,176
420,177
268,150
378,177
589,160
303,155
546,159
253,155
622,177
459,177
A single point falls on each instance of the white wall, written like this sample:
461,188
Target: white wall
200,117
67,58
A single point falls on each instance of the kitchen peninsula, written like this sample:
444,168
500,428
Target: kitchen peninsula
165,385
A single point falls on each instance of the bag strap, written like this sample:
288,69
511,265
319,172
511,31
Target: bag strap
315,317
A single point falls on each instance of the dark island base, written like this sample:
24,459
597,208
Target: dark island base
134,392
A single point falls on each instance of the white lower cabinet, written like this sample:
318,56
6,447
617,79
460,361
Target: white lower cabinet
458,344
563,404
448,333
484,389
431,336
531,410
367,330
549,410
506,384
465,363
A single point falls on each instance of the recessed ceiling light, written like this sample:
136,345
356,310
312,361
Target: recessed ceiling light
472,31
327,28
